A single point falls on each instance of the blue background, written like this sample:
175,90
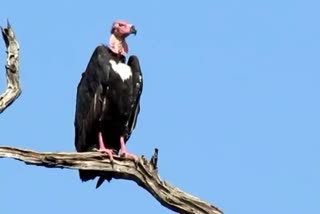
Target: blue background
231,99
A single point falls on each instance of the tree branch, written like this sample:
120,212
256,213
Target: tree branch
143,172
13,90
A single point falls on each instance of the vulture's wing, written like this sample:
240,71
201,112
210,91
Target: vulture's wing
88,103
137,82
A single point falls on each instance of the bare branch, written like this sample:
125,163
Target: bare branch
144,173
13,90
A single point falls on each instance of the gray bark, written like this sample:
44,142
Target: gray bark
13,90
143,172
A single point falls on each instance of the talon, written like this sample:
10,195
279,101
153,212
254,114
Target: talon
109,152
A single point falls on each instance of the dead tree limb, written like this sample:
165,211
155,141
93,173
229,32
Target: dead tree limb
13,90
144,173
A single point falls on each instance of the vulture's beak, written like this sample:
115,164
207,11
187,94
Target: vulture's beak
133,30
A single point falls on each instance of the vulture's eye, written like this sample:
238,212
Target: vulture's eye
120,25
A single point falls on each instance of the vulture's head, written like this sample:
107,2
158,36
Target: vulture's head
122,29
119,31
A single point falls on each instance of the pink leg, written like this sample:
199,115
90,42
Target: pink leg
124,151
102,148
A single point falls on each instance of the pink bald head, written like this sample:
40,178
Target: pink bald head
119,31
122,29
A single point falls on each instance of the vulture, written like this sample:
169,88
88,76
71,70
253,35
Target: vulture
108,100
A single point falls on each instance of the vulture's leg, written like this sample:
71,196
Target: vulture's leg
124,151
102,148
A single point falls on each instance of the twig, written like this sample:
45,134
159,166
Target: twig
143,173
13,90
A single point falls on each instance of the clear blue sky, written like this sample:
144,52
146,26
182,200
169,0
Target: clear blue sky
231,99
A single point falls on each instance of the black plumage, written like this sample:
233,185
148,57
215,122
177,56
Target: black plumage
108,101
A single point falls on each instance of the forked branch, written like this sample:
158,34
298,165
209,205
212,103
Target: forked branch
144,173
12,68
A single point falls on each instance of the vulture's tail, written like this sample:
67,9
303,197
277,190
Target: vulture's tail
86,175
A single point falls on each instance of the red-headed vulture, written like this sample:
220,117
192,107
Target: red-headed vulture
108,100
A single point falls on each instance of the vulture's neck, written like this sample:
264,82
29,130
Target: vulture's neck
118,45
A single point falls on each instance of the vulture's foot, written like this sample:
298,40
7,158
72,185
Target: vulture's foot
125,153
129,155
109,152
103,149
